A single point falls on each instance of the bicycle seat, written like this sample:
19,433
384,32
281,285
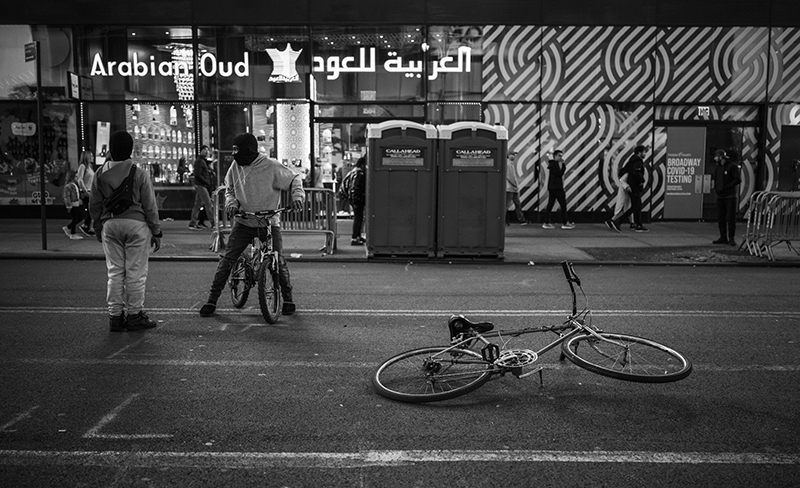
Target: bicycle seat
459,324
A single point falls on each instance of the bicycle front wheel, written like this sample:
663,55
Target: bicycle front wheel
431,374
269,292
240,288
625,357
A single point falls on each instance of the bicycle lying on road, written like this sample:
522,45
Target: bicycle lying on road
258,265
443,372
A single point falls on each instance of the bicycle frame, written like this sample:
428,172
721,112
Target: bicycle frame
574,324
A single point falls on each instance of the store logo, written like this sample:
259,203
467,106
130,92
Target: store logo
794,115
285,65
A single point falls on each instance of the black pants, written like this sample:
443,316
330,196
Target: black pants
559,196
241,236
358,220
635,210
77,215
87,222
726,218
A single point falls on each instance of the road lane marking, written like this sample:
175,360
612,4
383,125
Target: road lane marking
125,348
759,368
428,313
373,458
94,432
19,418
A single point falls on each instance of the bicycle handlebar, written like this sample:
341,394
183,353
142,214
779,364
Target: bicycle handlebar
261,213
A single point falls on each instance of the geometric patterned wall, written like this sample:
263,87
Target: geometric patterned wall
593,91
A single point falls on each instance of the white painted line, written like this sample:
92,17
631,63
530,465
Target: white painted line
758,368
24,415
389,458
429,313
94,432
133,344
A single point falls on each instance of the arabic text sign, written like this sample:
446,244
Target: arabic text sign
686,148
366,63
414,156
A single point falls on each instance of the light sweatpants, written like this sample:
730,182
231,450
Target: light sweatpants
126,244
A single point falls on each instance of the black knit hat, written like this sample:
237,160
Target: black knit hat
248,148
121,145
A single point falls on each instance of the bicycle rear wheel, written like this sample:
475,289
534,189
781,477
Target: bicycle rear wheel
269,291
240,289
431,374
625,357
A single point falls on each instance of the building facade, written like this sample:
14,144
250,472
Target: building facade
306,78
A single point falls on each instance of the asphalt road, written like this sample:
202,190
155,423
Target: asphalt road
232,401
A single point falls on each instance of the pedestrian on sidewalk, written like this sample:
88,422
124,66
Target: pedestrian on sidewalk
556,168
253,184
623,201
358,199
72,200
512,189
201,183
634,171
726,181
85,180
127,235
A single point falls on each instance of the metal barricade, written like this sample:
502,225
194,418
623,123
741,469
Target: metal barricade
773,217
318,215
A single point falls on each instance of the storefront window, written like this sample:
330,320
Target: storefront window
368,64
142,63
456,60
252,63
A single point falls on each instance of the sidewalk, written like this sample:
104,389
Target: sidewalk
673,243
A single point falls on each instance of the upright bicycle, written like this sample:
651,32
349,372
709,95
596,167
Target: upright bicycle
478,353
258,265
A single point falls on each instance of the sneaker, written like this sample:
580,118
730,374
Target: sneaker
720,241
568,225
548,226
524,222
139,321
202,225
288,307
356,242
75,237
641,228
612,225
194,227
633,226
208,309
116,323
66,231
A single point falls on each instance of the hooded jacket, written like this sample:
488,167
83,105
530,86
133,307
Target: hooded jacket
257,187
144,207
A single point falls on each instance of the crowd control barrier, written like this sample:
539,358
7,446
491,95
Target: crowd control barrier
318,215
773,217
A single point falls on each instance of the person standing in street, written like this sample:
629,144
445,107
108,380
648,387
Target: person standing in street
634,172
254,184
556,168
202,181
512,189
726,181
127,236
85,180
358,200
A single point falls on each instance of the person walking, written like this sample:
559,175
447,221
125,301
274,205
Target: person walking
512,189
726,180
254,183
634,171
202,181
358,200
556,168
72,200
85,179
127,236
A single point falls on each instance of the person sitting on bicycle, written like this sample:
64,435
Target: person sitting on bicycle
254,184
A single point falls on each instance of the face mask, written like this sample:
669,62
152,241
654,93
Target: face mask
243,158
